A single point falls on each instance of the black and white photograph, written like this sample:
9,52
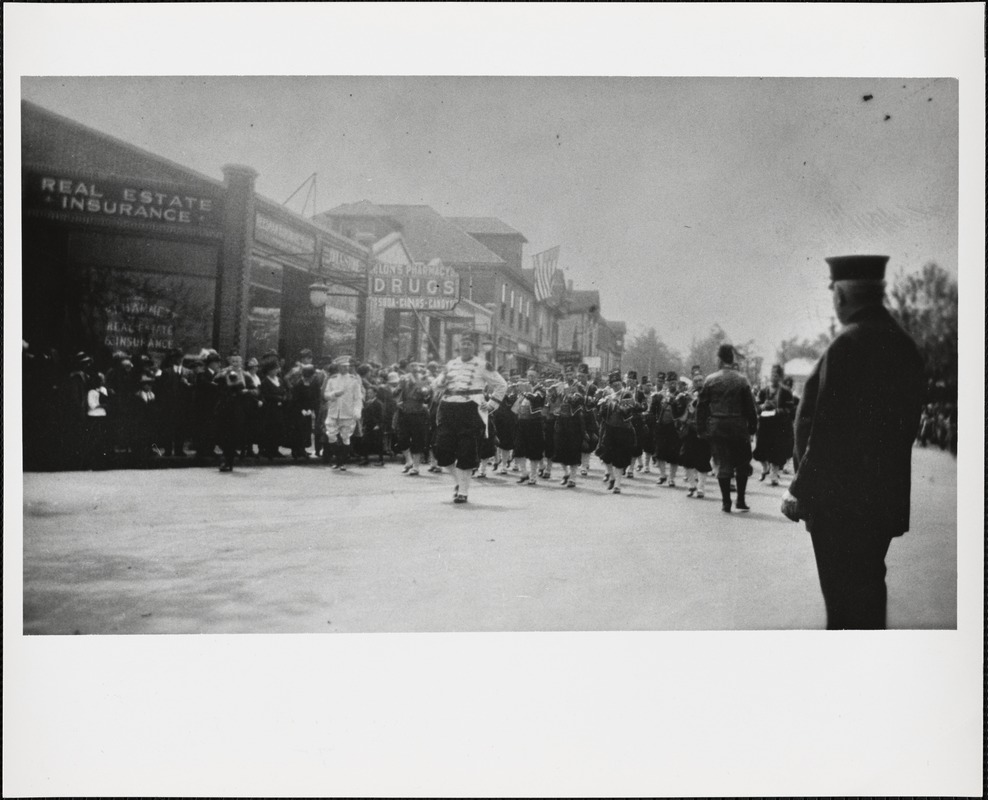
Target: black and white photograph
386,390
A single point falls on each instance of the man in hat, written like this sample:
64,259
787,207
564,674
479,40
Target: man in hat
725,413
344,395
173,388
855,427
463,413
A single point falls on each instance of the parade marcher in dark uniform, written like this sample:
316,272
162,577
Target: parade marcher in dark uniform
619,437
774,440
437,396
726,415
506,425
854,434
252,409
413,396
644,427
122,384
549,415
390,405
591,428
231,411
695,452
569,431
273,432
530,431
463,413
667,442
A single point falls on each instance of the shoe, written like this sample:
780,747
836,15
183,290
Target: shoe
763,477
481,476
662,480
474,473
502,471
629,475
672,484
548,475
541,473
434,469
413,472
740,505
725,507
226,468
515,468
774,483
616,491
564,481
691,492
606,478
610,485
638,468
699,495
523,479
459,498
583,472
648,471
570,484
407,468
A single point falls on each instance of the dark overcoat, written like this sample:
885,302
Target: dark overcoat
856,423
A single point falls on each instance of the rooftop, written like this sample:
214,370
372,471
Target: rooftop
486,225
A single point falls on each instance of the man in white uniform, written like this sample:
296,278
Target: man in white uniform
344,395
463,413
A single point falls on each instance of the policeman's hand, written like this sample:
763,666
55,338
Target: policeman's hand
791,507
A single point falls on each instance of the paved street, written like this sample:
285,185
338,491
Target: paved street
295,549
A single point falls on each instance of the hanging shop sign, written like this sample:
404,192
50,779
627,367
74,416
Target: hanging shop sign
285,238
86,198
333,259
568,358
423,287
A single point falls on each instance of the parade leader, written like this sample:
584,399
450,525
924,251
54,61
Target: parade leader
463,412
854,431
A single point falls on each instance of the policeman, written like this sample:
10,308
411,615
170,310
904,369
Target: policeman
855,427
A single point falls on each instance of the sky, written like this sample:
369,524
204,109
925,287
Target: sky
685,201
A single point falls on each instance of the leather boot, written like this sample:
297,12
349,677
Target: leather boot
725,493
742,479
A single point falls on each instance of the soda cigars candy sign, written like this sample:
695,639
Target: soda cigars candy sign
87,197
420,286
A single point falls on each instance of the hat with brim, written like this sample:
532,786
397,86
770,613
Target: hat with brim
343,361
857,268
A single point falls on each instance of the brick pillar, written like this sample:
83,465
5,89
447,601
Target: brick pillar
233,277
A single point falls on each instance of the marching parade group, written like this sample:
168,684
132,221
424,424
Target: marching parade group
465,417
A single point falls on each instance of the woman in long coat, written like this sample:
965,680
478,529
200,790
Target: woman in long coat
274,396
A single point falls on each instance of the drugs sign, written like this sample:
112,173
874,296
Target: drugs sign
429,287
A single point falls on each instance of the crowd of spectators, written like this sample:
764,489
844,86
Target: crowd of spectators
135,411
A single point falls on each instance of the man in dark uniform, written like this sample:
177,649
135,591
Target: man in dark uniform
725,414
855,427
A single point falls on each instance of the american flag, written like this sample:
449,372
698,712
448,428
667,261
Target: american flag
545,266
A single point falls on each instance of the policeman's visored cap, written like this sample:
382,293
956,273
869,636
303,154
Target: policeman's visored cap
857,268
342,361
